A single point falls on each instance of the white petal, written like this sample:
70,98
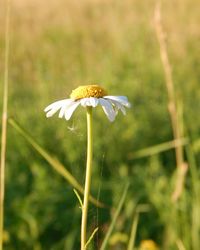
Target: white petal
70,109
62,111
85,102
94,101
90,101
52,111
108,109
55,104
64,108
121,99
54,107
118,106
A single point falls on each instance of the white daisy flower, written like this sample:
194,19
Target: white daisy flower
92,96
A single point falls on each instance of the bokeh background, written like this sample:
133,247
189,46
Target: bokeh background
56,46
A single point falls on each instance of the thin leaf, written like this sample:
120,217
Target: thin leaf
91,237
156,149
58,166
78,197
112,225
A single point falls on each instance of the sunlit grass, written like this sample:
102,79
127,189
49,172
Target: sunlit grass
70,43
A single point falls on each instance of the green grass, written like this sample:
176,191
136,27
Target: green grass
112,43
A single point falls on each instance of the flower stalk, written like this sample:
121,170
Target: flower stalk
89,97
87,178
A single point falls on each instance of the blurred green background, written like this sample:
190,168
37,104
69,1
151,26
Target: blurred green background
57,46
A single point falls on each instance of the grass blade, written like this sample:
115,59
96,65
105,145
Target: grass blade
58,166
195,216
118,210
142,208
79,198
91,237
4,121
133,232
156,149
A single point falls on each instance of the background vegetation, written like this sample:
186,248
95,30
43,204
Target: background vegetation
59,45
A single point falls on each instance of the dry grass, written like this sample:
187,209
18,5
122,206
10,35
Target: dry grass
35,15
111,20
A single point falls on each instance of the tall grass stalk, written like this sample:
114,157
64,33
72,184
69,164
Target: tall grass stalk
4,121
172,105
87,178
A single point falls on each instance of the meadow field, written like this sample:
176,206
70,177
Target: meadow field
151,198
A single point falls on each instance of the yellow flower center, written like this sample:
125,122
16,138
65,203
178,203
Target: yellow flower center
88,91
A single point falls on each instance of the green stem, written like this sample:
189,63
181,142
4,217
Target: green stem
87,179
4,121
